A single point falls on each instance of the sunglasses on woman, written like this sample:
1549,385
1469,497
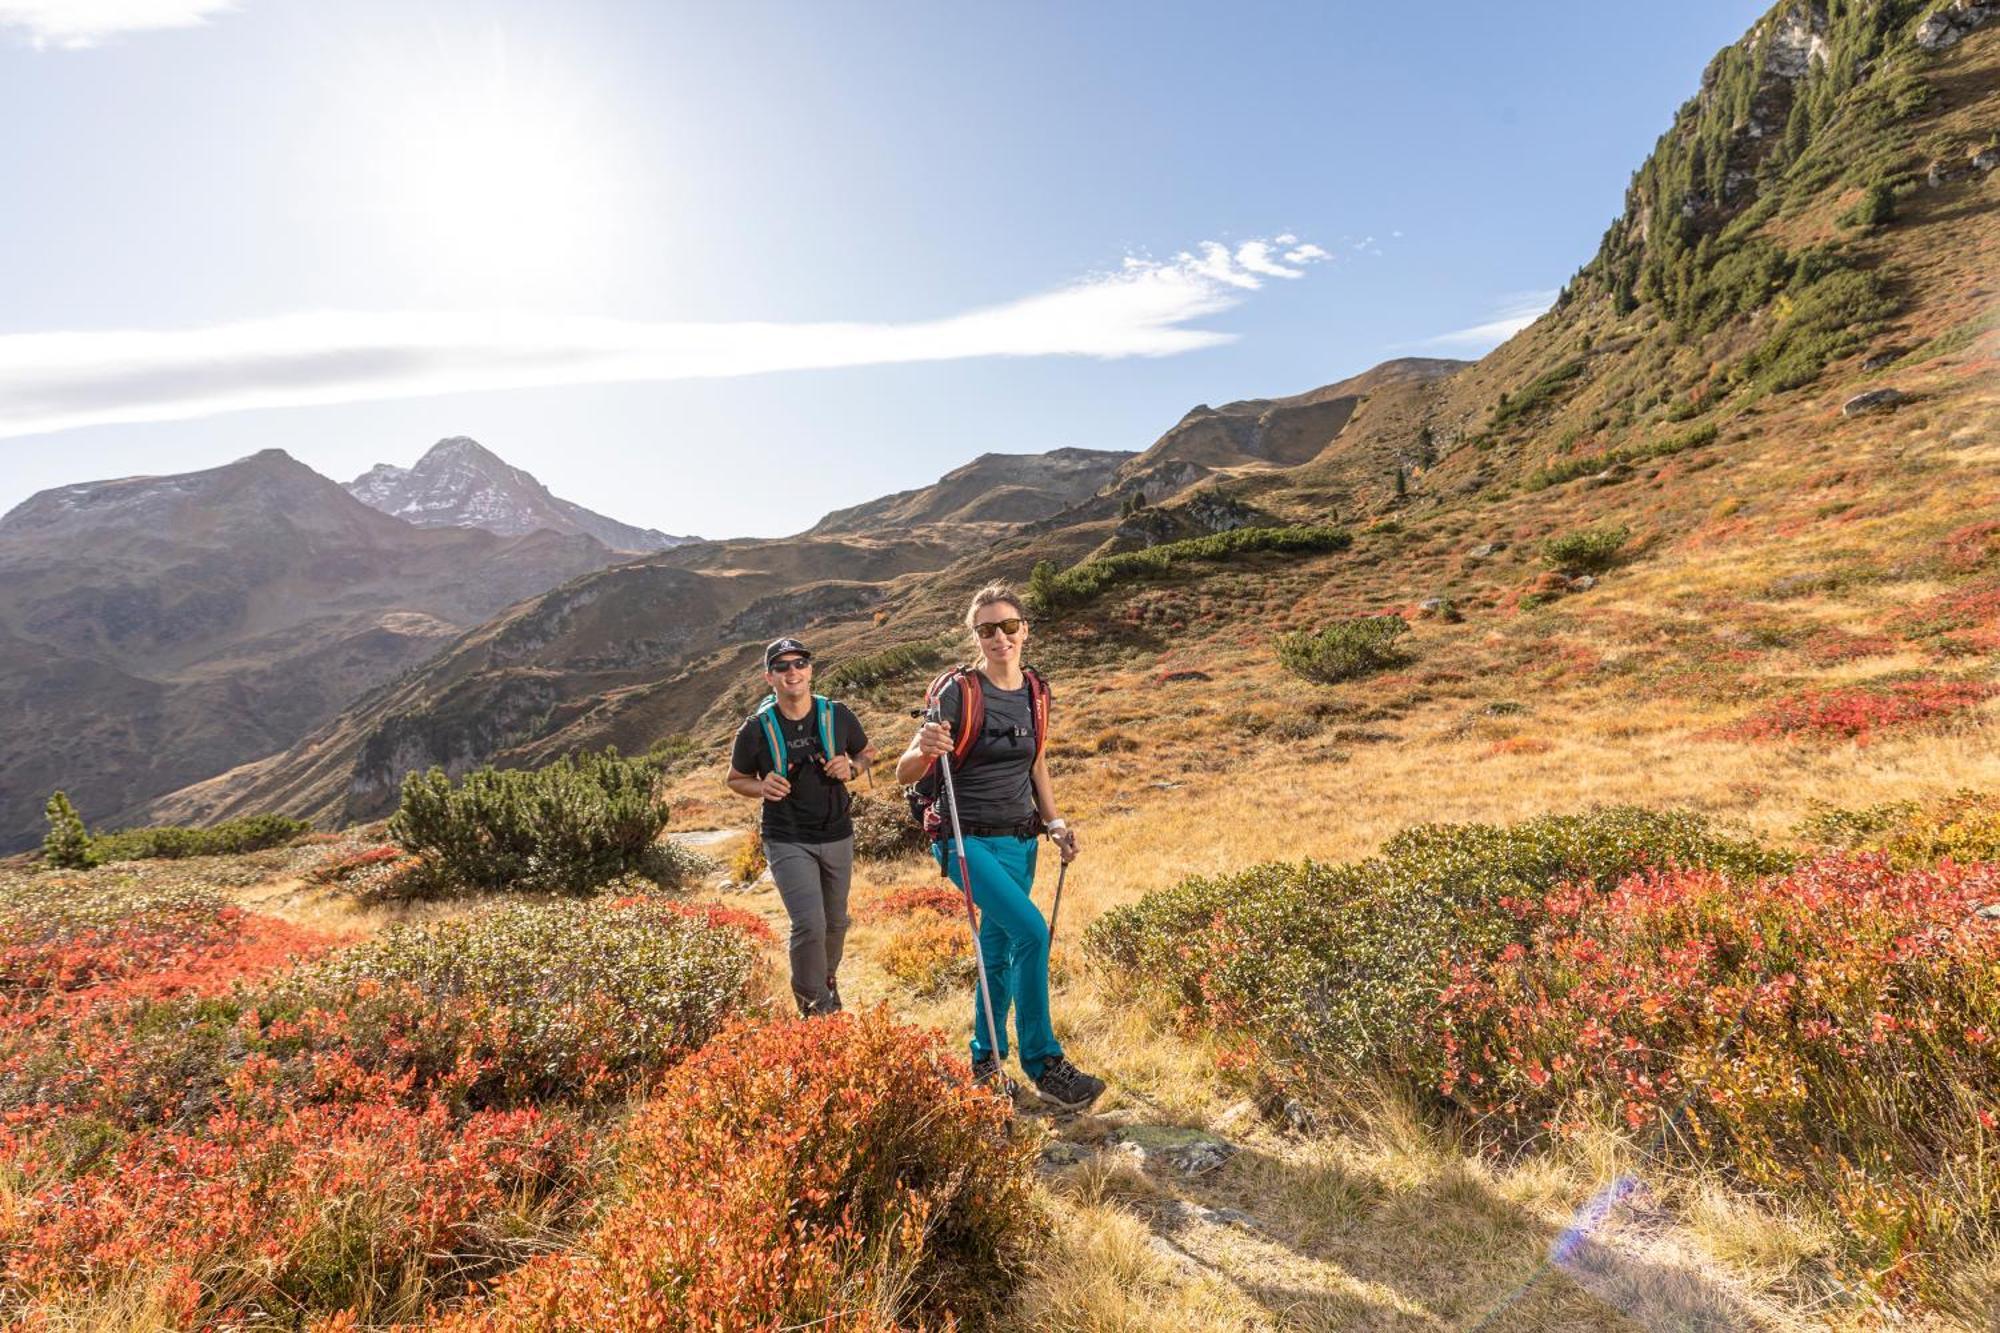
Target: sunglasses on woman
1011,625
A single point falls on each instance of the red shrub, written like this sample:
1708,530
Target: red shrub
198,947
1836,1025
940,899
1831,647
723,917
1966,620
1859,712
328,1206
834,1173
1973,545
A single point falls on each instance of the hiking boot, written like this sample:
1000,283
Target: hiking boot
987,1073
1062,1084
833,1004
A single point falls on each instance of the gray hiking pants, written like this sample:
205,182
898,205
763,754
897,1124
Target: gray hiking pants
813,878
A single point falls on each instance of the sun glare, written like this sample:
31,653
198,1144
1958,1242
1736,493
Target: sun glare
499,175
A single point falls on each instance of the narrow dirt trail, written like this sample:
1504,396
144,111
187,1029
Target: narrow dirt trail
1177,1204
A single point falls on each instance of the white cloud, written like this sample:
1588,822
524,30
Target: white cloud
62,380
1256,256
1514,313
1305,254
74,24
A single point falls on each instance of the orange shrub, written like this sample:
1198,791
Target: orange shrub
835,1173
930,954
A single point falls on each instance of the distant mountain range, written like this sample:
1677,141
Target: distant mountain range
156,629
459,483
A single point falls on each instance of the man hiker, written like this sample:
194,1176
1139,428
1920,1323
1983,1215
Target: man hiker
797,753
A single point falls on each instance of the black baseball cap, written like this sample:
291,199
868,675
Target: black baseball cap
779,647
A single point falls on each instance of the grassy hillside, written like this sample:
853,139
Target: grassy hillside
1646,560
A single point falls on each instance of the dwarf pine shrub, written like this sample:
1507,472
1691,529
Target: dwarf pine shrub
1586,550
253,833
67,844
581,821
1050,592
1345,649
860,674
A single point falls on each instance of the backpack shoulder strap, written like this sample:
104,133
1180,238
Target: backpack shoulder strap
823,714
774,737
971,714
1038,703
971,708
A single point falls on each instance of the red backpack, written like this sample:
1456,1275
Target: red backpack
925,792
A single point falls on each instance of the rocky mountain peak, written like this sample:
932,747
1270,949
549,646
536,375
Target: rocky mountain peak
461,483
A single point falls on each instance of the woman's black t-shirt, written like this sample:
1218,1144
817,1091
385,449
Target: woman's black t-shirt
995,782
817,808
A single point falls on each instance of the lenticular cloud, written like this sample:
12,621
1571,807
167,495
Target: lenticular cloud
59,381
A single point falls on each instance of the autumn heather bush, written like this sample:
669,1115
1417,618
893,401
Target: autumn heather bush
836,1173
526,1002
1831,1034
571,826
374,1208
368,1132
938,899
1963,827
1330,968
1860,712
74,942
930,954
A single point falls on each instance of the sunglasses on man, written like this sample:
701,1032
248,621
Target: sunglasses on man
1011,625
786,665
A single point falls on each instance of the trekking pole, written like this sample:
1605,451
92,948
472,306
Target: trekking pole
1055,908
965,885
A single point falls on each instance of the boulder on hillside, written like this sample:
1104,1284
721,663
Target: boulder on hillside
1875,400
1986,159
1949,25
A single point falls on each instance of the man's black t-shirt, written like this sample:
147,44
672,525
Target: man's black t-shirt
816,810
995,784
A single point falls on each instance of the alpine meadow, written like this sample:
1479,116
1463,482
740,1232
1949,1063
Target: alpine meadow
1535,826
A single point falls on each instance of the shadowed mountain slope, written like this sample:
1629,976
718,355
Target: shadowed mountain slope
156,629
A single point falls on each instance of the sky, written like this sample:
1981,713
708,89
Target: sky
718,269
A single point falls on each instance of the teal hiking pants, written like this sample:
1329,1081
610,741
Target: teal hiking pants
1015,940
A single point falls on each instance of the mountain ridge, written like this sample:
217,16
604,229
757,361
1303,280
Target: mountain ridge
458,482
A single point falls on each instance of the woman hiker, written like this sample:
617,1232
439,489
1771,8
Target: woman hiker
796,753
1004,801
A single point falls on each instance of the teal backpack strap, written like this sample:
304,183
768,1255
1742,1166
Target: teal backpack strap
767,716
823,711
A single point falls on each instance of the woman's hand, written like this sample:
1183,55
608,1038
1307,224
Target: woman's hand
934,739
1064,837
